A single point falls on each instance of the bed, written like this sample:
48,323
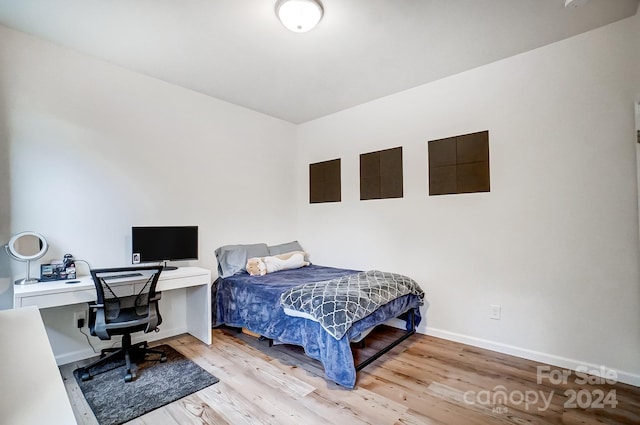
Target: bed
256,303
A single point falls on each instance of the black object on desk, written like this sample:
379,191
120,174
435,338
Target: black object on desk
59,270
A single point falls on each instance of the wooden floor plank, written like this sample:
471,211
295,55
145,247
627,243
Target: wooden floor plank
424,380
233,406
83,413
193,410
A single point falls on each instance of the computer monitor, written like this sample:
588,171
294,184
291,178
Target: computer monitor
152,244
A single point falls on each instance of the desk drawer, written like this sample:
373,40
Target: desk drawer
183,282
61,298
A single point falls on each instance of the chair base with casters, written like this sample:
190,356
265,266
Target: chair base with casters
132,353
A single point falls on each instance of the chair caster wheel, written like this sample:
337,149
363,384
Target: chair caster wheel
128,377
84,376
163,358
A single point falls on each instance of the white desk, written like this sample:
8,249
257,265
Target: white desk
196,281
33,391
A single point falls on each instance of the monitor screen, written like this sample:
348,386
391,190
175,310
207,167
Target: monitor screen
164,243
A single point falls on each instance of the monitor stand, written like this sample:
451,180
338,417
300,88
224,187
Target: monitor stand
167,268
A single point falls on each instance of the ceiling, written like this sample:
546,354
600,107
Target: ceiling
237,50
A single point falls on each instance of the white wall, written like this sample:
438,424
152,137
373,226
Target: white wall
5,208
91,149
94,149
555,242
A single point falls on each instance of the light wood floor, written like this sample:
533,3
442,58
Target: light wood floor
424,380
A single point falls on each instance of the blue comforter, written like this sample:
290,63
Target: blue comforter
253,302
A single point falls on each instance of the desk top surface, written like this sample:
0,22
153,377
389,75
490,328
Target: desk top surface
33,391
86,283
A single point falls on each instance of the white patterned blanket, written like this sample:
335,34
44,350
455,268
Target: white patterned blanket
338,303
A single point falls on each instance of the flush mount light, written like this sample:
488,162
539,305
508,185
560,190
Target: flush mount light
299,15
575,3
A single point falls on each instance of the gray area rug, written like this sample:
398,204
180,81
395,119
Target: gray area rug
114,402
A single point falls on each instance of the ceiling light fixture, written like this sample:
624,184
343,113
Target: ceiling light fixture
575,3
299,15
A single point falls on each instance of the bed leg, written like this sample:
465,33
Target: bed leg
264,338
411,321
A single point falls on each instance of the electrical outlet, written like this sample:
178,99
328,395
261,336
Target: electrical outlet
495,312
79,318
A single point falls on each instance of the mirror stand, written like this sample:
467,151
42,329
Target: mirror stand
28,279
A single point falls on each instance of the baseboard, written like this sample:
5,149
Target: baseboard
86,353
550,359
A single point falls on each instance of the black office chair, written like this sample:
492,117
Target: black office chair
121,310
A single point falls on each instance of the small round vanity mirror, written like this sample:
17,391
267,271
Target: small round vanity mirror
27,246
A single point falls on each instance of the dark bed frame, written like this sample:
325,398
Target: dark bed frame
408,316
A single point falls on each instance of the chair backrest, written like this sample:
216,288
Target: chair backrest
126,298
